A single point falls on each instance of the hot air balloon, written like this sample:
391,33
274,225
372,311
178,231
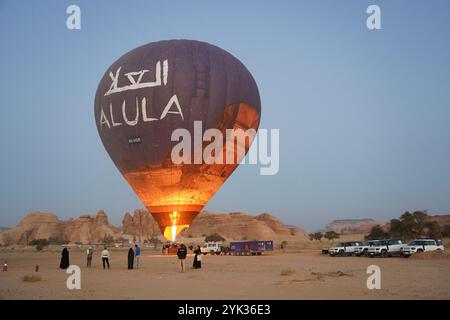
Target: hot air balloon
162,86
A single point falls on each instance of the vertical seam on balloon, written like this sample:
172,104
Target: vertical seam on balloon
172,164
141,145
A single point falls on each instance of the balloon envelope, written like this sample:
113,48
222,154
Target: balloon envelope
162,86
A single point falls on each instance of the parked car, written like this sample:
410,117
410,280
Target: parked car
422,245
344,248
362,250
387,248
212,248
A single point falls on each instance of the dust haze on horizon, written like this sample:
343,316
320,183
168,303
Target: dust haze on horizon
363,115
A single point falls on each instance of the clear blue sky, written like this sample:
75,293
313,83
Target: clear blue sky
363,115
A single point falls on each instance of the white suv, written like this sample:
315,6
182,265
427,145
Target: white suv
212,248
387,248
363,249
422,245
344,248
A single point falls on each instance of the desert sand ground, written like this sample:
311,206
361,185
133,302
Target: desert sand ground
309,276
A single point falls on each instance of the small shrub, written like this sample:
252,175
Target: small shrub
446,231
331,235
108,240
318,275
31,278
287,272
39,244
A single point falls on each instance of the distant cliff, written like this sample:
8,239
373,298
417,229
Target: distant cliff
241,226
46,225
351,225
141,225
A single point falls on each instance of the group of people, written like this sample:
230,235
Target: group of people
182,254
133,257
64,264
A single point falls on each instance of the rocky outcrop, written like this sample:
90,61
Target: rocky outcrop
45,225
88,229
232,226
36,225
349,226
140,225
443,219
277,226
240,226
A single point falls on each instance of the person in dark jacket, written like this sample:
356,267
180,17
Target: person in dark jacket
198,258
182,253
130,258
64,264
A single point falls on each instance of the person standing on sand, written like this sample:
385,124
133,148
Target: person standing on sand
105,257
89,254
181,253
130,258
137,253
64,264
198,258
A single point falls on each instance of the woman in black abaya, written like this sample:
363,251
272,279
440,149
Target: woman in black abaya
198,258
64,259
130,258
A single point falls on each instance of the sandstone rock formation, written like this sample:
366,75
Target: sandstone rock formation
277,226
141,226
443,219
349,226
36,225
45,225
88,229
240,226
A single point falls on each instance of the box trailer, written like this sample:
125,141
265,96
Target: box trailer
248,248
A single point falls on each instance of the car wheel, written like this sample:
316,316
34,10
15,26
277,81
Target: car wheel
419,251
384,253
342,253
364,253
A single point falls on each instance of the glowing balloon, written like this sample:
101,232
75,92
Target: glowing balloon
162,86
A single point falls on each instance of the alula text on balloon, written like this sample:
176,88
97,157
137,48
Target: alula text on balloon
134,81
